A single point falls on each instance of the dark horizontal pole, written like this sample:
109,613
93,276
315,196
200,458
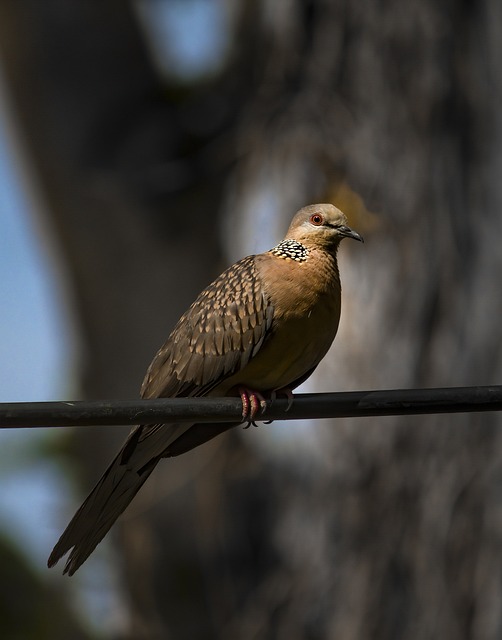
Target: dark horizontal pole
304,406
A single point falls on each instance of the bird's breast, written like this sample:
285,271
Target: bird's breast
306,301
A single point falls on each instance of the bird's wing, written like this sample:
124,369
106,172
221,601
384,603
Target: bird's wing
215,338
218,335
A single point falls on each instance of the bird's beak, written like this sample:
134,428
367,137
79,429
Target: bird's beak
347,232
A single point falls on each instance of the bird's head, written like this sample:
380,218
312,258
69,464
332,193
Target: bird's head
320,225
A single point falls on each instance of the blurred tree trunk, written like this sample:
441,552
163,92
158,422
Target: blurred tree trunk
397,533
132,190
393,530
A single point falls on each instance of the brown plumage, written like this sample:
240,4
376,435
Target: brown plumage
263,325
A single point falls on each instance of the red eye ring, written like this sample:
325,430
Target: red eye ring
316,219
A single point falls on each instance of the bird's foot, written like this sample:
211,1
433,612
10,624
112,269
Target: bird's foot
253,403
285,391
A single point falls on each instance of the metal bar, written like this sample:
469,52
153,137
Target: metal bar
305,406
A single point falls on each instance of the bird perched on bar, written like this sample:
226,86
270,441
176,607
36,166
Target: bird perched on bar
260,328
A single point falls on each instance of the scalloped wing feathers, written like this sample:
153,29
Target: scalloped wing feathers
218,335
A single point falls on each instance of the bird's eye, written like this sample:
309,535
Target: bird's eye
316,219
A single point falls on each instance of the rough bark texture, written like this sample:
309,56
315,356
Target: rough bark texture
393,529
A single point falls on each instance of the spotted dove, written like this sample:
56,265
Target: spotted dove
262,326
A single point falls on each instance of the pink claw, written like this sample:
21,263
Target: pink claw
253,403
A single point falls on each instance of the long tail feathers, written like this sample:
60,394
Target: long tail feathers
141,452
109,498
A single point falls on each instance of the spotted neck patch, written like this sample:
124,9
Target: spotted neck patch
291,249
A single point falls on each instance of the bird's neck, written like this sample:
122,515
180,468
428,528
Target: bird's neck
320,258
292,250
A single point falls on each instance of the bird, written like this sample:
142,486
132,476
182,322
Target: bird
260,328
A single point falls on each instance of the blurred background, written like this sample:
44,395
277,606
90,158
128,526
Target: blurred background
145,145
